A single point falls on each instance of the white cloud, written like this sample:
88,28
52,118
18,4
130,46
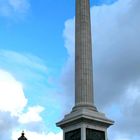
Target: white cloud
34,75
32,115
13,105
69,37
12,97
14,8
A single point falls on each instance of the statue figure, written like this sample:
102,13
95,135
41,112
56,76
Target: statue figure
22,137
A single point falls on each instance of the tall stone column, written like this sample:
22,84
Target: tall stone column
84,122
83,55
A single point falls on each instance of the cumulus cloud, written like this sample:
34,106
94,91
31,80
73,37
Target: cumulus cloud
7,124
116,54
24,94
14,8
35,78
32,115
9,90
13,104
116,43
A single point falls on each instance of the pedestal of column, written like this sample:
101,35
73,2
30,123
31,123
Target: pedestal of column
85,124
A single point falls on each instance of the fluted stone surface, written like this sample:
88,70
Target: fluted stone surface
83,55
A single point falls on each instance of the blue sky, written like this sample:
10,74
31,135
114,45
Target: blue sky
35,31
37,66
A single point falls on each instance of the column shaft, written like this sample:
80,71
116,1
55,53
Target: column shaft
83,55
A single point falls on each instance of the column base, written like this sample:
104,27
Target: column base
84,122
84,106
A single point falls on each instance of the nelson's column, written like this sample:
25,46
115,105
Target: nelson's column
84,122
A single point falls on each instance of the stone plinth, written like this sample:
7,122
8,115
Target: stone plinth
84,119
